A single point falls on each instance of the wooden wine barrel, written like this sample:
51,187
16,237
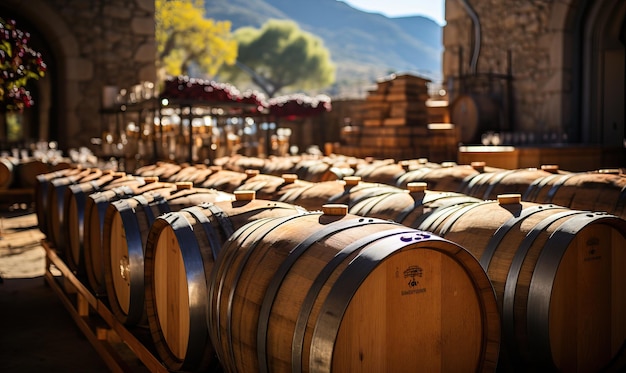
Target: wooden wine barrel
557,277
267,186
384,172
74,213
55,205
7,171
410,207
226,180
196,174
27,171
241,163
278,166
41,194
516,181
95,209
348,191
162,170
602,190
180,252
325,292
447,178
475,114
126,225
311,169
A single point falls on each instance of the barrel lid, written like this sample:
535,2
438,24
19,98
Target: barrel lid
416,186
150,179
553,168
290,178
478,166
251,173
245,195
180,185
352,180
335,209
509,199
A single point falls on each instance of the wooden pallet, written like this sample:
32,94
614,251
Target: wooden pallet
121,349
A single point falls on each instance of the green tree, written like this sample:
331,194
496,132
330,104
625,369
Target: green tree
185,38
280,55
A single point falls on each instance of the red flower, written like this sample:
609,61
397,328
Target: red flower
18,64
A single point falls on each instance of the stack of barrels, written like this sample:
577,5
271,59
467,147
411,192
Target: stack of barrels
293,264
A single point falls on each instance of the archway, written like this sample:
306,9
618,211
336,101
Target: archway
599,73
54,114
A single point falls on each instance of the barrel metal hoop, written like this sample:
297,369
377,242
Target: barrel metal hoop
338,298
217,279
209,230
496,239
372,194
515,269
294,194
194,273
536,186
145,206
430,220
475,179
495,180
283,270
135,262
316,287
555,187
544,275
458,214
161,204
231,296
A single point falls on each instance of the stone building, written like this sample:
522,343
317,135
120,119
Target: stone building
542,70
88,45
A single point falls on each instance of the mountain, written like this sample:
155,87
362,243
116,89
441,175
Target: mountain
364,46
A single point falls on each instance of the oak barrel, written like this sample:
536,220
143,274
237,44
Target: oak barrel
267,186
557,276
55,204
326,291
381,171
7,171
409,207
601,190
126,225
180,252
95,209
348,191
41,194
491,184
73,216
226,180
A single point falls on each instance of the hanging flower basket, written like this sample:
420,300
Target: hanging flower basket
19,63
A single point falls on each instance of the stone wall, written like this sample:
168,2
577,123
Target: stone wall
95,43
516,37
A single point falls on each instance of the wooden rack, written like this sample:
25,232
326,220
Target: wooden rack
121,349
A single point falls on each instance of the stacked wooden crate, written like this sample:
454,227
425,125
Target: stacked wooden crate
396,122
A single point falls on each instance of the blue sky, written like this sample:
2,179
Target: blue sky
398,8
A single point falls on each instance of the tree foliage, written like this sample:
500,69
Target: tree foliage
186,39
280,55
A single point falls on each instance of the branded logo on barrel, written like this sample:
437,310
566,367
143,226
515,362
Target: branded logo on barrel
412,275
593,249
